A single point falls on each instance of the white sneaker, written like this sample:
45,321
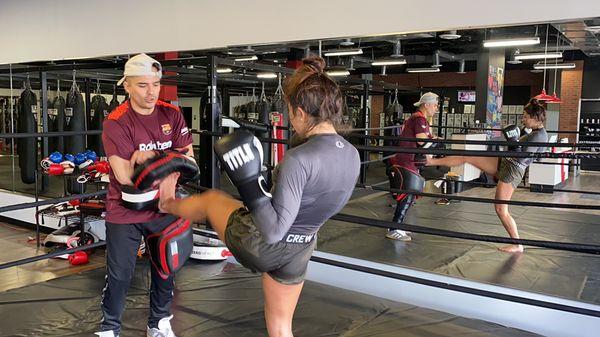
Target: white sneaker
163,330
109,333
397,234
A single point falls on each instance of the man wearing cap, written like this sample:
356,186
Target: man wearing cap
131,132
416,126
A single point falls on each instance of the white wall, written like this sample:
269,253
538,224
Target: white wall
66,29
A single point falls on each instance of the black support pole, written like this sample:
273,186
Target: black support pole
212,174
88,105
365,113
44,107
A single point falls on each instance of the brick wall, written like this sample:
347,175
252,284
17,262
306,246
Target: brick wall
570,93
377,105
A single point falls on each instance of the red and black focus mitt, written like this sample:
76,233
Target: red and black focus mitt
171,247
143,195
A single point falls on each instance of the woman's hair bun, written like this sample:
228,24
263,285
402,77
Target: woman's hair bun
316,63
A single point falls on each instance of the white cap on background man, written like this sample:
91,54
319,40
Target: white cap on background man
141,65
428,97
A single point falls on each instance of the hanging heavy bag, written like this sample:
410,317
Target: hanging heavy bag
52,127
114,103
75,116
262,109
27,147
58,105
98,112
75,121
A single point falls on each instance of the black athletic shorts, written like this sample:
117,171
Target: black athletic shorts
509,172
285,261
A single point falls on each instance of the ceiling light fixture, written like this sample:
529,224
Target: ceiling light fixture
338,72
539,56
388,62
450,35
422,70
511,42
266,75
224,70
567,65
343,52
246,58
543,96
347,43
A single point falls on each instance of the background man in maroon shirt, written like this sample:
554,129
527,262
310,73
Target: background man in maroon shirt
416,126
130,133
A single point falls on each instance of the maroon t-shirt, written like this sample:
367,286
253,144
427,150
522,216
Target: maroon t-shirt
415,124
125,131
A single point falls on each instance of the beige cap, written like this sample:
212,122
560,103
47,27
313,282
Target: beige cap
141,65
428,97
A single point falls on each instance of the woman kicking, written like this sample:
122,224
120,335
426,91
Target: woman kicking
509,171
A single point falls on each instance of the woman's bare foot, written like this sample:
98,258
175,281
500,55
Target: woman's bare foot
512,249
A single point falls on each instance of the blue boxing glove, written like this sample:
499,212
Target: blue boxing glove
55,157
69,157
79,158
90,155
240,153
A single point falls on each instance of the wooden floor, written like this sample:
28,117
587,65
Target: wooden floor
18,243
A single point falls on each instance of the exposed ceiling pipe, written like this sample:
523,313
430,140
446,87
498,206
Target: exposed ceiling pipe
436,59
449,56
461,66
397,49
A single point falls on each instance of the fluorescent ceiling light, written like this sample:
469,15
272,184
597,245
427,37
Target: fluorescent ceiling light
423,70
343,52
224,70
388,62
538,56
511,42
246,58
338,72
266,75
554,66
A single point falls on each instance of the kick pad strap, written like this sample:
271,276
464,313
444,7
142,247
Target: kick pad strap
170,248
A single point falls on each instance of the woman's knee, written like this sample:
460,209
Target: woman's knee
501,210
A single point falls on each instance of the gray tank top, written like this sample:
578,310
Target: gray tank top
314,182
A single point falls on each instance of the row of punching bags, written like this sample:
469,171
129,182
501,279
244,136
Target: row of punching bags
256,111
63,115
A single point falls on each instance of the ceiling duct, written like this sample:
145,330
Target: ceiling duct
581,35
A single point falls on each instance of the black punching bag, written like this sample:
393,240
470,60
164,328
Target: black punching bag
97,113
27,147
52,127
114,102
263,109
75,118
58,107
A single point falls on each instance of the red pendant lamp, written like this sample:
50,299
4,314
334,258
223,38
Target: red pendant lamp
543,96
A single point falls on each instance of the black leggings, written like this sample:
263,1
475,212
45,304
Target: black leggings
122,243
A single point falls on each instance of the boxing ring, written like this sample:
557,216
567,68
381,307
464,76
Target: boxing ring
360,284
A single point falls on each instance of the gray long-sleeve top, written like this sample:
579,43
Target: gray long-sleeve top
538,136
314,182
